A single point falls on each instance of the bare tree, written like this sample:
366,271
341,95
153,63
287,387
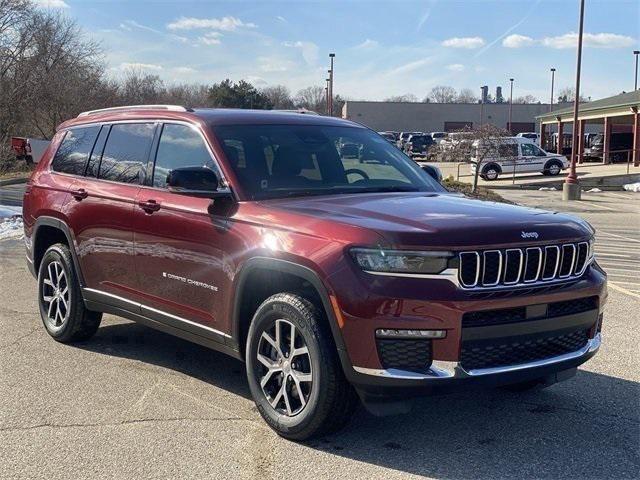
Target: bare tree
407,97
526,99
312,98
568,94
279,96
442,94
466,95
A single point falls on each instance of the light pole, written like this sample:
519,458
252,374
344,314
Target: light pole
635,85
571,187
511,106
331,57
553,77
481,106
327,89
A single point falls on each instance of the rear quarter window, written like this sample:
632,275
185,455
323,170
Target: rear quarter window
73,153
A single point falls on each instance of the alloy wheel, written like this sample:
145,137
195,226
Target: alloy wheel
284,368
55,295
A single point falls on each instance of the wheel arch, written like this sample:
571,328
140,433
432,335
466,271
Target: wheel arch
48,231
290,274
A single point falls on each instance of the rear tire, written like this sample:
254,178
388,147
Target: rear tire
62,308
553,168
490,173
300,395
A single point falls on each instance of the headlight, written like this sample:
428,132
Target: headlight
592,253
401,261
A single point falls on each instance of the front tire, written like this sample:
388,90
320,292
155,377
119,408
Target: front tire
62,308
553,169
293,369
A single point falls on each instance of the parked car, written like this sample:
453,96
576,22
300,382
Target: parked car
533,136
389,137
501,156
334,281
620,146
349,150
438,137
29,149
418,145
403,137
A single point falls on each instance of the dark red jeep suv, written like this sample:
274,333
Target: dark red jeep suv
337,279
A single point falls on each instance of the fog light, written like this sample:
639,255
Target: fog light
415,334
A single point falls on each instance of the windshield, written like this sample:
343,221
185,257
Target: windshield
274,161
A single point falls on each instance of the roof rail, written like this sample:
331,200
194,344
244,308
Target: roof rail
172,108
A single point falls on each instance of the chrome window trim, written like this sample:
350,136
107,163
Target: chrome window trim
524,276
484,266
223,179
555,270
506,254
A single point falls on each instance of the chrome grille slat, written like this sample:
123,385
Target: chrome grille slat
524,266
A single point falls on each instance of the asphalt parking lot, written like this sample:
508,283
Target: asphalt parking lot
136,403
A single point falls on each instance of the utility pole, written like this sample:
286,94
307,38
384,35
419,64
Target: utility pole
571,187
482,89
331,57
553,77
635,85
327,90
511,106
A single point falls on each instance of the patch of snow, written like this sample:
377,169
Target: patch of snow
547,189
11,225
593,190
632,187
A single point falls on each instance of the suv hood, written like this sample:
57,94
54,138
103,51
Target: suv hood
440,220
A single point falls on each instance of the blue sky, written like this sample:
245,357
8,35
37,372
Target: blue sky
382,48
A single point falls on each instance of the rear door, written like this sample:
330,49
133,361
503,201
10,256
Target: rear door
182,249
103,203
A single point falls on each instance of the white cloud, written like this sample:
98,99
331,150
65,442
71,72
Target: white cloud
274,64
227,24
129,24
409,67
597,40
282,19
139,66
455,67
51,3
309,50
184,70
368,43
517,41
211,38
463,42
423,19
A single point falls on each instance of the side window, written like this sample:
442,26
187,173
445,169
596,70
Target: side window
180,146
508,150
528,150
74,150
125,154
96,154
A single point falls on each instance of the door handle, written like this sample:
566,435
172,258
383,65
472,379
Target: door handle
149,206
79,194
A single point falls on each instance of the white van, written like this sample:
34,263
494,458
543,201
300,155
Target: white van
508,153
533,136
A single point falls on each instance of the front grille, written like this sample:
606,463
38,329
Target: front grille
502,352
485,318
414,355
522,266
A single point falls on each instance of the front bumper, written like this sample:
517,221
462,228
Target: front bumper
396,305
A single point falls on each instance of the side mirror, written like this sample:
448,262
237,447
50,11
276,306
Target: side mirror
194,181
434,172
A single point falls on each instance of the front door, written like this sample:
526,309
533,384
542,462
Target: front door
183,269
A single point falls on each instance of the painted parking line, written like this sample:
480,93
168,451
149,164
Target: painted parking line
602,232
624,290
